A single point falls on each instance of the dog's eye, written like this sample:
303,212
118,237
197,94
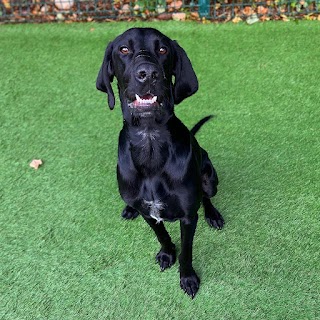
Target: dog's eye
124,50
163,50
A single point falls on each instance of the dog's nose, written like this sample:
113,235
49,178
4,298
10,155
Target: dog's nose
147,71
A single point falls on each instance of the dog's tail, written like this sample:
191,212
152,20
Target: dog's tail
197,126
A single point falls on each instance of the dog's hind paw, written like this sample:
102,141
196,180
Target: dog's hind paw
129,213
213,217
215,222
190,284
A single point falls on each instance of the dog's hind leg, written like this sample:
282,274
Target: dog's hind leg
166,257
209,176
129,213
209,187
212,215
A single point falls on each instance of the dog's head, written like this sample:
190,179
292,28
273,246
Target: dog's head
144,61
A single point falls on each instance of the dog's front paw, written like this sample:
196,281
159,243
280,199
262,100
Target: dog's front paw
166,259
190,284
129,213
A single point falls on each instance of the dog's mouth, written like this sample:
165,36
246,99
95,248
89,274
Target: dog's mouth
144,103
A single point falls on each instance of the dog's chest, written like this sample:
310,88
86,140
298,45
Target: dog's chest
147,182
157,200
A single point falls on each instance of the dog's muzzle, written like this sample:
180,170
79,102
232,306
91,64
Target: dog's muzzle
147,73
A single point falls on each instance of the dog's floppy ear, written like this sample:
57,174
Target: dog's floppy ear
105,76
186,82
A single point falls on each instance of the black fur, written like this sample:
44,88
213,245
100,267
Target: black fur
163,173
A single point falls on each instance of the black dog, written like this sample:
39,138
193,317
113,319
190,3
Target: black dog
162,172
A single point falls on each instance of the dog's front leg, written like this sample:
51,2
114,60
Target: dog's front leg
189,281
166,257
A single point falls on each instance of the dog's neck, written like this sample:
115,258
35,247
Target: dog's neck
149,147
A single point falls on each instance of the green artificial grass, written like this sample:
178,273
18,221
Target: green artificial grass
65,251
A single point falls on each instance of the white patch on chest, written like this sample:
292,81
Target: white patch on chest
154,209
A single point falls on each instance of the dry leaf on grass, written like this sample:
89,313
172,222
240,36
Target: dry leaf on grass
236,20
284,18
35,164
7,4
194,15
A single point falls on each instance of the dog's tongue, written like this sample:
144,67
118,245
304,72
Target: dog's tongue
147,97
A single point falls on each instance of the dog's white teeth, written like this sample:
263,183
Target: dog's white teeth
146,101
139,99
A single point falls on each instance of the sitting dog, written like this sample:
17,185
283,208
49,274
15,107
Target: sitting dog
163,174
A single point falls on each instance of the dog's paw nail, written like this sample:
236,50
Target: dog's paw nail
215,223
218,224
190,285
165,260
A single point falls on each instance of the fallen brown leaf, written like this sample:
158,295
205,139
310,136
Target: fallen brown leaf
236,20
194,15
284,18
35,164
264,18
7,4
